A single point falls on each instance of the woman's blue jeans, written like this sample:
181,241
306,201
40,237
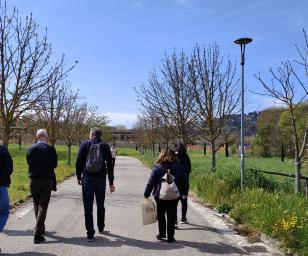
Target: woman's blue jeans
4,206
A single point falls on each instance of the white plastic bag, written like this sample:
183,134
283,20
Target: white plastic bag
149,214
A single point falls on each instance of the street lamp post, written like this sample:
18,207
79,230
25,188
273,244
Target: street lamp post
242,42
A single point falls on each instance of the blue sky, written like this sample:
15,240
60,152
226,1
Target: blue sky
117,42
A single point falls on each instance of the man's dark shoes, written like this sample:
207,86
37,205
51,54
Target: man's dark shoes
184,221
176,225
90,239
39,239
101,231
171,240
160,237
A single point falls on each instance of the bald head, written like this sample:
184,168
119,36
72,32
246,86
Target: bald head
42,134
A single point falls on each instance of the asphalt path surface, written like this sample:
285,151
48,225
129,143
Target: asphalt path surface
207,234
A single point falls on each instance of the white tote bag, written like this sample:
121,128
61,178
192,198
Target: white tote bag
149,214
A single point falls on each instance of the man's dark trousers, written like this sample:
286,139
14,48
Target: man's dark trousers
90,187
40,191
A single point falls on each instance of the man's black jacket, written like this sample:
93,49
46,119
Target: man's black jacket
82,158
42,160
6,167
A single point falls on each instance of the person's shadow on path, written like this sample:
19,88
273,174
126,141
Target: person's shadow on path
29,254
109,239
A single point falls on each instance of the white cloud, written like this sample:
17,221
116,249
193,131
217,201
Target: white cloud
260,102
127,119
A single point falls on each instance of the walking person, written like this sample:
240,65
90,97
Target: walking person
6,169
113,155
185,161
168,183
42,159
94,161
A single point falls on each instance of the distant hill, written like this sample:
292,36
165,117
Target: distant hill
250,121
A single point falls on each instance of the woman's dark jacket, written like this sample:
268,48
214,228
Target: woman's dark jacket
6,167
158,171
185,161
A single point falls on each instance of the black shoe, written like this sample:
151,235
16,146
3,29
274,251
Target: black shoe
101,231
90,239
184,221
171,240
39,239
176,225
160,237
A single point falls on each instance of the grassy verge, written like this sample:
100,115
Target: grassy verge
19,189
266,205
147,159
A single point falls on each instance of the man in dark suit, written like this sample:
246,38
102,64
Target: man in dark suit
6,169
42,160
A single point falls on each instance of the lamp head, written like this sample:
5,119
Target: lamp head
244,40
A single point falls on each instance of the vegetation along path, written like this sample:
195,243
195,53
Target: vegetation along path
206,234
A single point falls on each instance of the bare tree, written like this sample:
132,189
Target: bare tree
215,93
52,105
74,117
170,98
25,70
147,132
283,86
288,88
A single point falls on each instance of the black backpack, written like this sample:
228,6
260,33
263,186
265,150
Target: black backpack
95,159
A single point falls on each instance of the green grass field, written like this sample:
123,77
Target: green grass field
266,205
19,189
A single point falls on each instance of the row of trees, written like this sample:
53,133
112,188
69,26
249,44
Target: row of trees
34,90
193,97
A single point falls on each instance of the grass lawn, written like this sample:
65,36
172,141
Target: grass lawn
19,189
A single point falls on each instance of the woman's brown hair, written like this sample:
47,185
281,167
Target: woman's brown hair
166,155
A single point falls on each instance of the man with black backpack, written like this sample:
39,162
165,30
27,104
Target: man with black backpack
94,161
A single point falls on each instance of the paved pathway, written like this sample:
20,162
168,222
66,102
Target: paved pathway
206,235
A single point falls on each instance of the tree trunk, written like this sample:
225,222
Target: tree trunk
226,148
213,169
204,149
298,166
297,160
282,152
69,154
6,134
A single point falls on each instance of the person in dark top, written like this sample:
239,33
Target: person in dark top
166,161
185,161
94,183
6,169
42,159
